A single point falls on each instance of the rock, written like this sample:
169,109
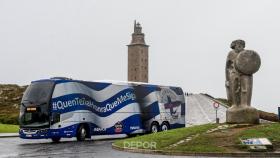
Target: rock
16,98
242,115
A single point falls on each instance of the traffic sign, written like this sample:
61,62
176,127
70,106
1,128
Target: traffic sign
216,105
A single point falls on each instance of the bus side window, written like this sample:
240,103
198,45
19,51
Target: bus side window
55,118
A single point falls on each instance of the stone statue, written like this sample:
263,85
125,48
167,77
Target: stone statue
241,64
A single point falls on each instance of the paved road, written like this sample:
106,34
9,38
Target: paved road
200,110
16,147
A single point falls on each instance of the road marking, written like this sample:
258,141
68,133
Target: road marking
201,109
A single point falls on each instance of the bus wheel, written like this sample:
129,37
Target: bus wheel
164,126
154,127
81,135
56,139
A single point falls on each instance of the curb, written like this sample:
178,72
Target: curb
8,135
212,154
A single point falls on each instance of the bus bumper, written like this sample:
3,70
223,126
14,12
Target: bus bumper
34,133
67,132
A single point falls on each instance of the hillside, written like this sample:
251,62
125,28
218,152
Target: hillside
10,97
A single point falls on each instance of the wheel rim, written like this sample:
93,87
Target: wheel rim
154,129
164,128
83,133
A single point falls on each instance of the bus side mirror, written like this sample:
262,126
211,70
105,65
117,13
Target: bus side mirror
55,118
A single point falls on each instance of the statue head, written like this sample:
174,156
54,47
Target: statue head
237,45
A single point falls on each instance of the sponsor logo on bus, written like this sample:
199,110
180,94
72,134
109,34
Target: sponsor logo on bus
134,127
118,127
97,129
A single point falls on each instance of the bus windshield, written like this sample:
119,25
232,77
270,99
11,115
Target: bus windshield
38,92
34,110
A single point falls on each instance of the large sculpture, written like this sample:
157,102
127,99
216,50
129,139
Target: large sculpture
240,66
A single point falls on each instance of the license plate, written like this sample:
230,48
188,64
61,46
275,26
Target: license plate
28,135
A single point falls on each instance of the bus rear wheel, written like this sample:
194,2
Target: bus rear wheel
154,127
164,126
81,134
56,139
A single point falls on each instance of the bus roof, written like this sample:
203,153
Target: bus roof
64,79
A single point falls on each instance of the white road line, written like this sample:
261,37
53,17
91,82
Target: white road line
201,109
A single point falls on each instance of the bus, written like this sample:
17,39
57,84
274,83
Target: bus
63,108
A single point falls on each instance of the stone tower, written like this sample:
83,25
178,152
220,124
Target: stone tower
138,56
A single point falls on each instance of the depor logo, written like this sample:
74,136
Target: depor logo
140,144
169,99
118,127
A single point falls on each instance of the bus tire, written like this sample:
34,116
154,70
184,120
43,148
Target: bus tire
154,127
56,139
165,126
81,134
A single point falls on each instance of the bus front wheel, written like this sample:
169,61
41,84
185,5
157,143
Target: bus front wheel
81,134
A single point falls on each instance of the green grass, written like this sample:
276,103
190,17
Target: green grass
227,140
167,138
270,131
5,128
203,143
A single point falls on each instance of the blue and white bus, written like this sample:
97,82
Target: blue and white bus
63,108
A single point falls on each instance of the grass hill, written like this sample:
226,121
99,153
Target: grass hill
7,128
205,138
10,97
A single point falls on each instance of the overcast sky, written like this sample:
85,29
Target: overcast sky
189,41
